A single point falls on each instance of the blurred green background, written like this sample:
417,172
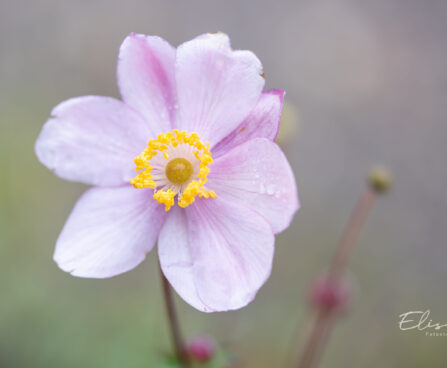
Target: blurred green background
366,83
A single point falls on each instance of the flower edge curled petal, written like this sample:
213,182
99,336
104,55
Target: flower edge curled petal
212,268
263,122
109,232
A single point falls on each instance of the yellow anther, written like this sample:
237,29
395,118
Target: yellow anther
179,171
165,197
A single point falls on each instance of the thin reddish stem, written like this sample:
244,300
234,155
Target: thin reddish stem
325,318
350,235
177,340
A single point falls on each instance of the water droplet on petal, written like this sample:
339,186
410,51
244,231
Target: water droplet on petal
271,189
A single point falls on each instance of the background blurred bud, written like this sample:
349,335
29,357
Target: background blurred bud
330,295
289,126
380,179
201,348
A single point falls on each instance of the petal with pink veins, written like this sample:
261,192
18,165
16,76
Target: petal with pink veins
256,174
216,254
109,232
146,79
93,140
217,87
263,122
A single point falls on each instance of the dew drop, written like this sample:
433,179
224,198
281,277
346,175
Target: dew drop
271,189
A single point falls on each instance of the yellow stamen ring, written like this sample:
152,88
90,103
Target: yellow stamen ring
183,174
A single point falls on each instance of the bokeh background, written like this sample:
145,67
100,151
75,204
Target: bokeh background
366,83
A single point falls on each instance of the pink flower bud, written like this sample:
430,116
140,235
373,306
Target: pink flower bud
201,348
330,295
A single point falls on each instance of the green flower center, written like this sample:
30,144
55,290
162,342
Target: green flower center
179,170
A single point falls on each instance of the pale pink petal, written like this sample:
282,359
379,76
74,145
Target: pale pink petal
263,122
109,231
146,79
176,257
256,174
216,254
93,140
217,87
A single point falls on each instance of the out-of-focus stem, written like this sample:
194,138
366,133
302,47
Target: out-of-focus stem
324,319
177,340
317,339
350,235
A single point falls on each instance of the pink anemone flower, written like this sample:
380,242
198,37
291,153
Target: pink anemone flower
186,159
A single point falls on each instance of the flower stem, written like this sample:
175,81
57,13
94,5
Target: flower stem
177,340
351,233
325,318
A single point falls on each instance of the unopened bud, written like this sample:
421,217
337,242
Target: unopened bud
380,180
201,349
330,295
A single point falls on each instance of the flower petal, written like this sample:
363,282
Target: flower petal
216,86
263,122
109,232
93,140
146,79
257,174
216,254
